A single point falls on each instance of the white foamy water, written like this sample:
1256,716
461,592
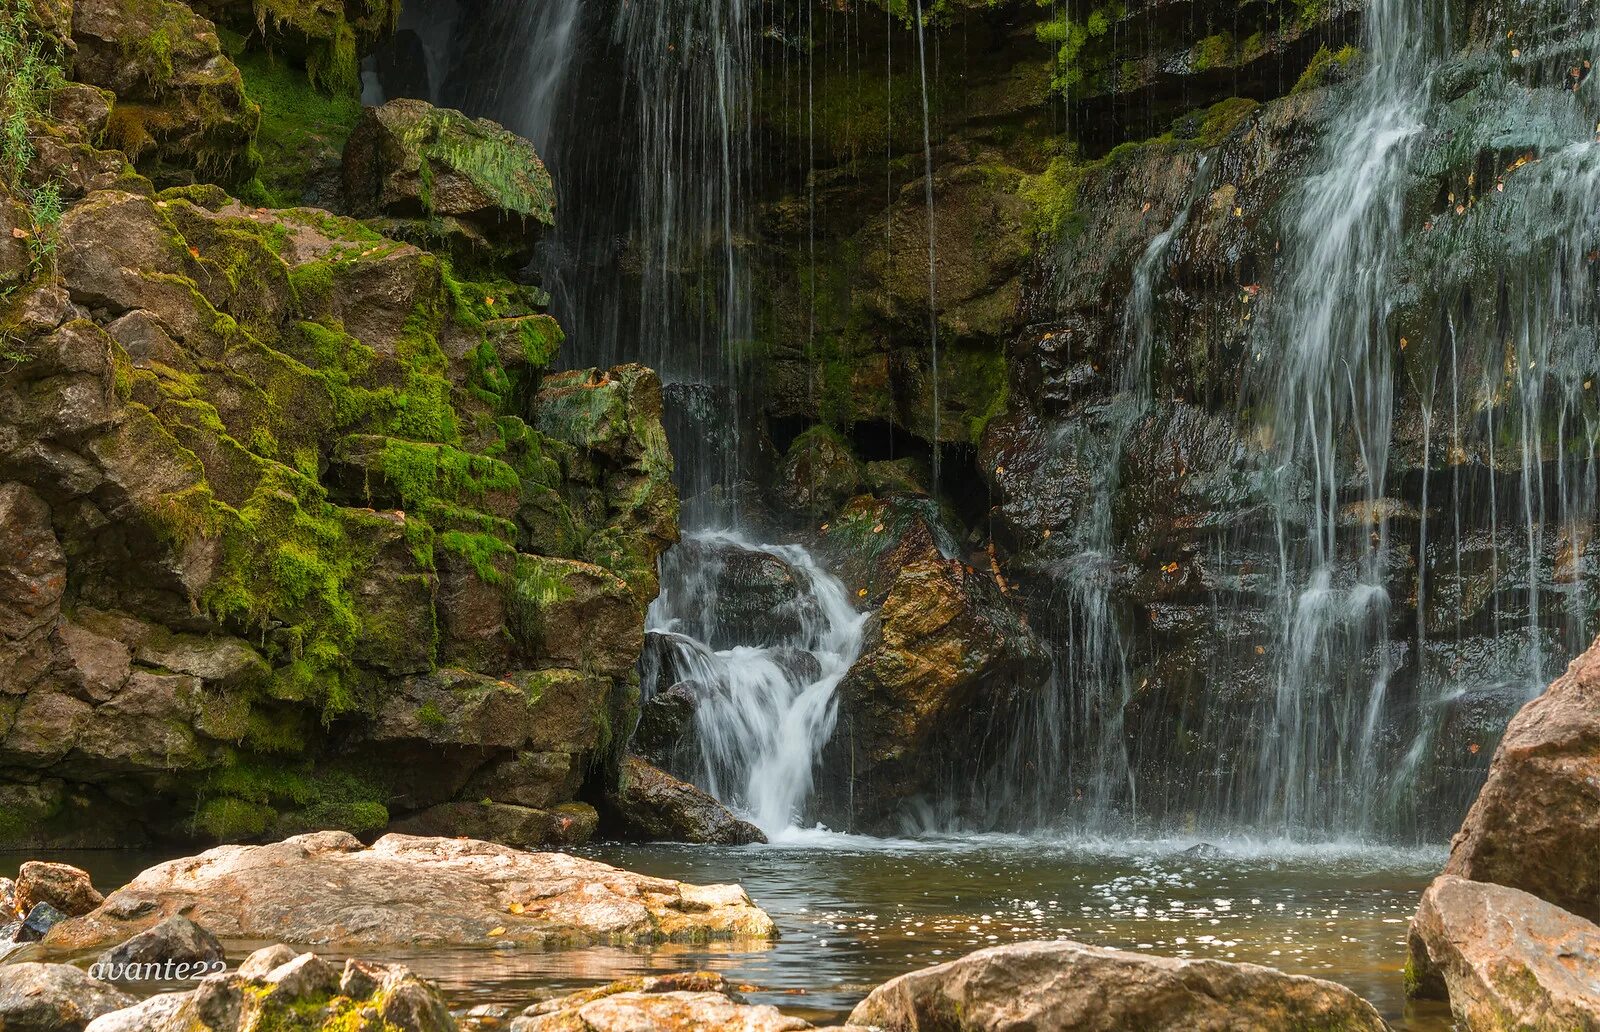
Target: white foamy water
763,711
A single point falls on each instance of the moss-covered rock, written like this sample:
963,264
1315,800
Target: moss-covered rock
276,471
432,174
181,113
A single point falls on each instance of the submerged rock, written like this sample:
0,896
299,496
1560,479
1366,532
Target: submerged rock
1504,959
685,1002
328,888
63,886
1536,823
177,940
54,998
1068,985
652,805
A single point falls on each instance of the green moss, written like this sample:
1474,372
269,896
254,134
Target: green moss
1076,60
303,129
1211,52
231,820
498,163
1324,65
250,795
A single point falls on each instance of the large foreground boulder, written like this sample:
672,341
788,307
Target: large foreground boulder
1504,959
1067,985
651,805
327,888
54,998
669,1003
1536,823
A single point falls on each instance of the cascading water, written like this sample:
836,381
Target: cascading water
1330,397
763,710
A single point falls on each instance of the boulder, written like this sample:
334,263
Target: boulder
685,1002
1068,985
54,998
431,172
36,924
1504,959
651,805
819,474
328,888
303,993
1536,823
177,940
63,886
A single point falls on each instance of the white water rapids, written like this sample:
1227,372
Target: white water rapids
764,710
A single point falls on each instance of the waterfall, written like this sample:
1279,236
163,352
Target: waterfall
1330,396
763,711
933,258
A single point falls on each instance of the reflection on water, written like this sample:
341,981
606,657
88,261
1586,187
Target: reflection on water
855,912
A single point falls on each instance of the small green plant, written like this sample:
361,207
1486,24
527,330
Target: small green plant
29,70
45,210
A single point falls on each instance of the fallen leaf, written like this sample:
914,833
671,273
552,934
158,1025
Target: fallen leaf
862,593
20,234
1261,650
516,908
194,252
1473,748
496,931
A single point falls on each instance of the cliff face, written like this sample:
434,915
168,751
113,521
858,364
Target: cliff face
1125,269
301,528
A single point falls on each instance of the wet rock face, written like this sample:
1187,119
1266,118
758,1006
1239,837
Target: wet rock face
1070,985
725,594
1535,825
177,940
328,888
651,805
1503,958
944,656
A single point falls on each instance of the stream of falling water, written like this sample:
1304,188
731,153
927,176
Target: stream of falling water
1332,390
764,709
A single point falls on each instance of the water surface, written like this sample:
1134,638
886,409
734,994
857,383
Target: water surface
856,911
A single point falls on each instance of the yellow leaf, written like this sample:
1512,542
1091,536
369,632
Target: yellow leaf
1261,650
496,931
516,908
862,593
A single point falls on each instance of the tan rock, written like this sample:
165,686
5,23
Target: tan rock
1071,987
1505,959
328,888
686,1002
63,886
650,804
1536,823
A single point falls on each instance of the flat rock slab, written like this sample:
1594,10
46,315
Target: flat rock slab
327,888
1505,959
1071,987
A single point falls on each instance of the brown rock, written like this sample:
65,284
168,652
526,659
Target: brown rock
64,887
524,827
1536,823
328,888
1505,959
650,804
1067,985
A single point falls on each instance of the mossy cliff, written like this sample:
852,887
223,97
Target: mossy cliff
306,531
